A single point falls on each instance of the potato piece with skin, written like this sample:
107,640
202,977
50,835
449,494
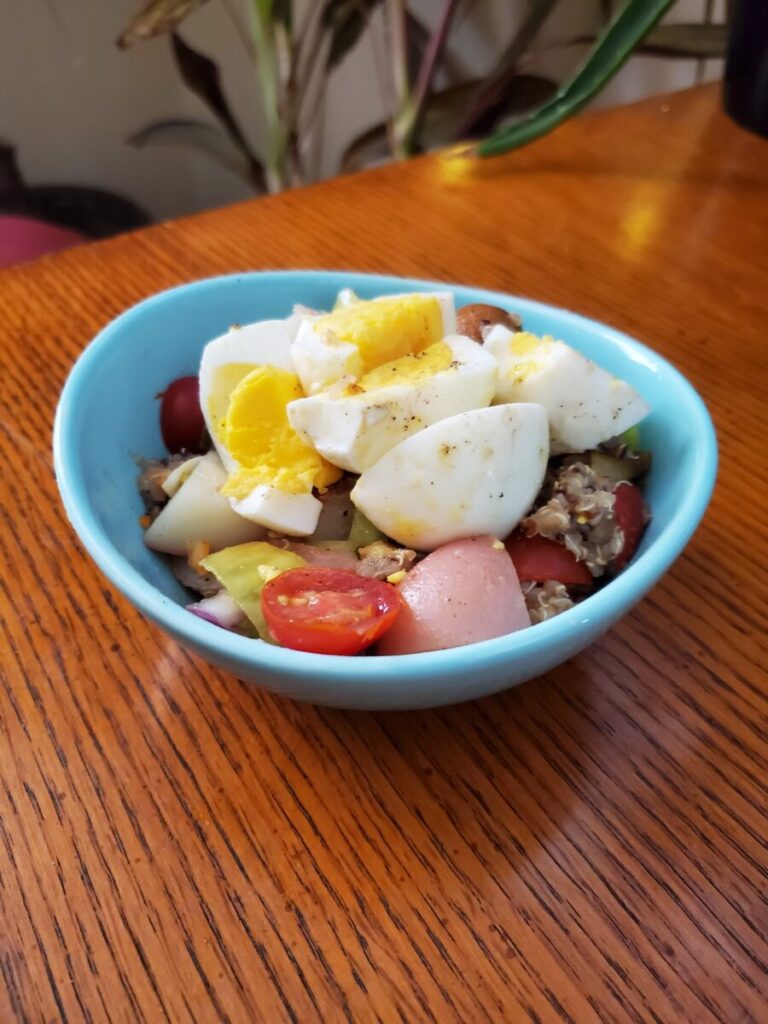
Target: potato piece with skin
462,593
199,512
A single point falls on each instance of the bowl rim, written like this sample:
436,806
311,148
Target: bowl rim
621,593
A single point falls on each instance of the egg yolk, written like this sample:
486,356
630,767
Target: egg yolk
258,436
530,352
385,329
224,381
410,369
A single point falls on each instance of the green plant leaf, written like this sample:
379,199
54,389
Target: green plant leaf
614,46
442,115
522,94
680,41
491,90
345,20
205,138
263,10
201,75
155,18
696,41
447,108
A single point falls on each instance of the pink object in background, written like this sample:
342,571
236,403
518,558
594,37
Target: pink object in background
22,238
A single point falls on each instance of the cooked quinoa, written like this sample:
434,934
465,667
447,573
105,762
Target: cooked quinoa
575,507
545,600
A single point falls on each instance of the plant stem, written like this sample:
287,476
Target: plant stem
407,121
307,49
267,68
399,47
310,114
310,55
378,46
306,26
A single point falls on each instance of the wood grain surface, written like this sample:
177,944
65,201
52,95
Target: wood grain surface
177,846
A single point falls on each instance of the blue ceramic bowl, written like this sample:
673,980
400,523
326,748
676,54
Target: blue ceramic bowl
107,415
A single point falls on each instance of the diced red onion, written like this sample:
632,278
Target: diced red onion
220,609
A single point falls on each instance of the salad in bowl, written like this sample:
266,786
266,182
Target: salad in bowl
393,476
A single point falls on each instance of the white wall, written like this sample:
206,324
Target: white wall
69,98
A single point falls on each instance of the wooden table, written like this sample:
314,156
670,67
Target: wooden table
177,846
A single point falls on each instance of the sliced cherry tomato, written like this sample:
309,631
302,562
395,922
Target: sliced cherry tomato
539,559
328,611
629,513
181,418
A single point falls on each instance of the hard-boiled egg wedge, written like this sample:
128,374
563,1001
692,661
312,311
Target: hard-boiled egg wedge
355,427
295,515
356,338
585,404
474,473
226,360
273,470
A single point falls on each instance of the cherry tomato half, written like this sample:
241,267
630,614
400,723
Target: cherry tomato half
539,559
629,513
328,611
181,418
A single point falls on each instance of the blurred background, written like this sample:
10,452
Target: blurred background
78,110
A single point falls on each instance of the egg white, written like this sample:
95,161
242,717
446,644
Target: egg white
354,431
295,515
474,473
266,343
585,404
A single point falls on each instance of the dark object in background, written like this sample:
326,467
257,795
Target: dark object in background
746,70
90,211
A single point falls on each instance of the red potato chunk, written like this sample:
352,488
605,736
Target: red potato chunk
464,592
